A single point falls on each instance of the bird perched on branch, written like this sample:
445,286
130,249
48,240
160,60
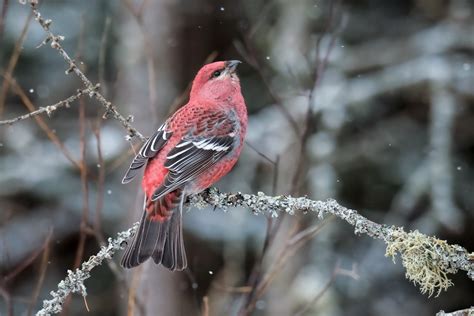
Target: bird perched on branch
192,150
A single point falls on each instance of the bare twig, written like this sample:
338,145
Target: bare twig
3,15
100,183
42,273
260,284
318,73
320,294
25,264
336,271
13,61
102,54
55,40
49,109
293,243
252,59
150,61
7,298
42,123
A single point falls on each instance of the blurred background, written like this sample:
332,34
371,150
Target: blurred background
367,102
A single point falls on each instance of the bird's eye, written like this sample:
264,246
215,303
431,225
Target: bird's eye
216,73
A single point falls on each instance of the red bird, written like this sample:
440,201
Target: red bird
192,150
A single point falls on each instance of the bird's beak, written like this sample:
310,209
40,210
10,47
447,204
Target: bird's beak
231,66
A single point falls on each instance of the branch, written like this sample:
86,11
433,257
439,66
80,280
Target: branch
428,260
464,312
55,43
49,109
74,282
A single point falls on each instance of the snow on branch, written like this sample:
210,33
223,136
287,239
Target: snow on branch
428,261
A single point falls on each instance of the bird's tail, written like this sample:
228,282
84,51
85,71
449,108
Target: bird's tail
159,235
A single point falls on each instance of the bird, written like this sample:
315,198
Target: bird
194,148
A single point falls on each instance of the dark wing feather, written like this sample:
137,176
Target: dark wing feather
214,138
149,150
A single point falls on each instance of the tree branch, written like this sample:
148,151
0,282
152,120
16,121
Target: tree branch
49,109
427,260
55,43
74,282
464,312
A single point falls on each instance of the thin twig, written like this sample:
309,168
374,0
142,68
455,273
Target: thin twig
256,280
42,273
102,54
48,109
42,124
55,40
150,61
3,16
100,182
25,264
270,160
317,77
292,245
12,62
253,61
7,298
336,271
316,298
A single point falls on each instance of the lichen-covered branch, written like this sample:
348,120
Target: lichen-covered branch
74,282
49,109
464,312
428,260
55,40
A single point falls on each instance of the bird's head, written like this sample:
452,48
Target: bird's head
216,81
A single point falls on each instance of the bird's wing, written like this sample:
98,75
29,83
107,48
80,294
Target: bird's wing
149,150
209,138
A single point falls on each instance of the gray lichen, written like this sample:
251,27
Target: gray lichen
74,282
428,261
